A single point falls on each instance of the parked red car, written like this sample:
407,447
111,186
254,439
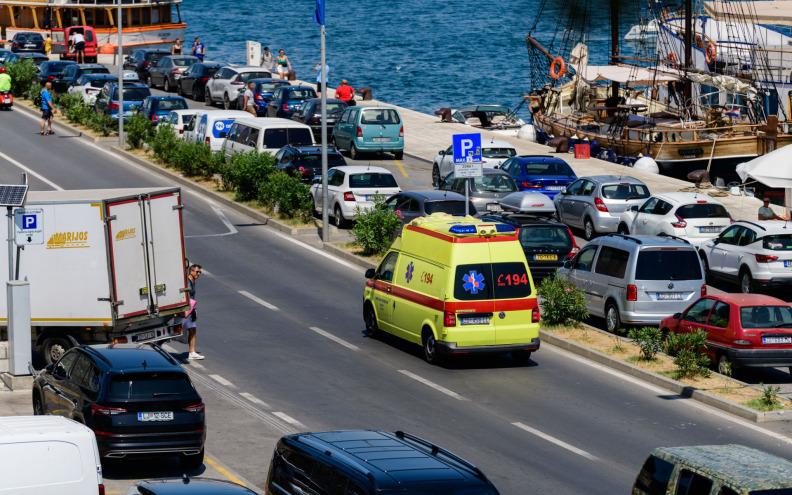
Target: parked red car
746,330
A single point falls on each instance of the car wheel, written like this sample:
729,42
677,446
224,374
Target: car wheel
55,348
398,155
612,319
38,407
436,175
167,86
725,365
180,91
623,230
192,461
588,230
372,328
521,356
338,217
705,265
430,347
746,282
226,102
149,82
208,98
353,152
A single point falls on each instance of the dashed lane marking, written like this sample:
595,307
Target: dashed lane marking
252,398
290,420
259,301
196,365
433,385
335,339
556,441
222,381
31,172
223,471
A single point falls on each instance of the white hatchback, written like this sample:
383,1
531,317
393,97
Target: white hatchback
350,187
180,120
493,153
695,217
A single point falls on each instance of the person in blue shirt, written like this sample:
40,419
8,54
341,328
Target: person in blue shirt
47,109
199,50
319,77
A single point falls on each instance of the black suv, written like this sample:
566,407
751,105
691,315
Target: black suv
291,159
364,462
546,243
135,397
141,61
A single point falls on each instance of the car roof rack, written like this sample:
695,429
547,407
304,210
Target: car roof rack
438,450
754,224
663,234
629,238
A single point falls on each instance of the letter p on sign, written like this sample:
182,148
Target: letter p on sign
28,221
467,148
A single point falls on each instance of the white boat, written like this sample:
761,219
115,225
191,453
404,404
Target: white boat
495,118
642,31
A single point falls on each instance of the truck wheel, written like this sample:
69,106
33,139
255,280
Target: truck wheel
55,348
430,347
372,329
192,461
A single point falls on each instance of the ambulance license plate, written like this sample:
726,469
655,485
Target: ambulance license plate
156,416
143,336
478,320
777,340
669,296
546,257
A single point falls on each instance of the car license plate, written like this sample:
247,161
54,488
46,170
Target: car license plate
381,140
371,197
546,257
777,340
317,177
143,336
710,230
478,320
494,207
669,296
553,188
30,45
787,263
156,416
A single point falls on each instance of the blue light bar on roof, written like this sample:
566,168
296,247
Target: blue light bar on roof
502,227
463,229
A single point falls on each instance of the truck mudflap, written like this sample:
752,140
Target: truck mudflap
150,334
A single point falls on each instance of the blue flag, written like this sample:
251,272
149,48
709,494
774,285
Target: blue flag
319,13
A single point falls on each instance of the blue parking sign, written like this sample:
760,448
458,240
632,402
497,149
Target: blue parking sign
29,221
467,148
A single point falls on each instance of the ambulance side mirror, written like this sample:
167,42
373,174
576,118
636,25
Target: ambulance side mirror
371,273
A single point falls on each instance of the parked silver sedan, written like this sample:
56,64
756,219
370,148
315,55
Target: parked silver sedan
167,71
485,191
594,203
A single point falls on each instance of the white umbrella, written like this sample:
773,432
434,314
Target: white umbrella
773,169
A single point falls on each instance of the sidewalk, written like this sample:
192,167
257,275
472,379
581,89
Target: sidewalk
16,403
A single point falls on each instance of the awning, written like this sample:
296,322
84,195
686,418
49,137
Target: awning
636,76
772,169
772,12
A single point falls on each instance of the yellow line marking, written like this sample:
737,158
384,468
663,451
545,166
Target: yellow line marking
223,471
401,168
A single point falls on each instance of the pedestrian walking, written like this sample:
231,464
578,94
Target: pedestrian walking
198,49
267,59
78,42
177,48
345,93
193,273
250,105
284,66
48,45
47,109
319,77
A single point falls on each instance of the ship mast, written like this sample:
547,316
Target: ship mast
614,7
688,50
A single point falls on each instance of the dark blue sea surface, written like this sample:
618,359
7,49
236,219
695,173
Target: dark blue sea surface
419,54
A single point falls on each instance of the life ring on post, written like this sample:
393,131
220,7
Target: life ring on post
673,57
709,55
561,68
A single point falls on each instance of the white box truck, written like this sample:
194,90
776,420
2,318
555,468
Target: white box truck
111,267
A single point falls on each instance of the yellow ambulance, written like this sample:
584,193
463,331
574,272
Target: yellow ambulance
455,286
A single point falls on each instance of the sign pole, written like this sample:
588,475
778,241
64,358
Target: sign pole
323,78
120,78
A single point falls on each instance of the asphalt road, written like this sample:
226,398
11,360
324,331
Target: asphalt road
285,347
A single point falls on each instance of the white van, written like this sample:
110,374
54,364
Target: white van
48,455
214,125
191,128
265,134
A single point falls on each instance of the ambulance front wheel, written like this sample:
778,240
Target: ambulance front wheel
430,347
370,317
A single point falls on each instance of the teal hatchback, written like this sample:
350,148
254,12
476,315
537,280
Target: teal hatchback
370,130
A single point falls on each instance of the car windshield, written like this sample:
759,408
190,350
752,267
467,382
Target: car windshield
498,152
380,116
96,83
300,94
57,66
183,62
497,183
210,71
94,70
170,104
268,87
478,281
766,316
373,179
553,168
668,264
314,160
133,94
702,210
148,385
154,56
625,191
452,207
782,242
332,108
247,76
545,236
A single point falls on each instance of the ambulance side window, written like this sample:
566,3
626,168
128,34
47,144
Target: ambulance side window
387,267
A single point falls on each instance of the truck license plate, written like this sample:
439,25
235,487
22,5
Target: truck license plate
546,257
143,336
156,416
777,340
381,140
478,320
669,296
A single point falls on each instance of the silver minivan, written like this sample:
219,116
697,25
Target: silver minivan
636,280
595,203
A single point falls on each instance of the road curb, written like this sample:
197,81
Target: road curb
666,383
60,123
257,215
344,254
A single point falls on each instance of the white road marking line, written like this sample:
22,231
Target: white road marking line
259,301
435,386
222,381
556,441
289,419
252,398
315,250
335,339
661,391
31,172
196,365
219,211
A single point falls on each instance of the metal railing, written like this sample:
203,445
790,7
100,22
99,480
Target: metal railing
87,3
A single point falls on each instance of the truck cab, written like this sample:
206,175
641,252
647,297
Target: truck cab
60,43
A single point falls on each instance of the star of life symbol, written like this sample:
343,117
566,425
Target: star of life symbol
474,282
410,270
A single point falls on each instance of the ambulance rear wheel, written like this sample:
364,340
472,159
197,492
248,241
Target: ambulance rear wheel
372,328
430,347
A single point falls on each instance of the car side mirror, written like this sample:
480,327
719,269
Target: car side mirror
50,367
441,152
436,184
716,240
568,264
127,58
563,191
677,316
185,126
222,135
633,208
317,180
371,273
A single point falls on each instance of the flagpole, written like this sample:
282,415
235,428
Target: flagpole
323,79
120,78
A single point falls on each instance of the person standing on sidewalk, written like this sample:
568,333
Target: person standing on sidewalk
47,109
198,49
345,93
284,65
267,59
250,105
192,276
319,77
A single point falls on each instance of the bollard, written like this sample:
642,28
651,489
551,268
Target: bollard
19,349
365,92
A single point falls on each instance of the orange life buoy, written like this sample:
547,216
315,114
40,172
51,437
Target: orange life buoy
673,57
561,68
710,54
